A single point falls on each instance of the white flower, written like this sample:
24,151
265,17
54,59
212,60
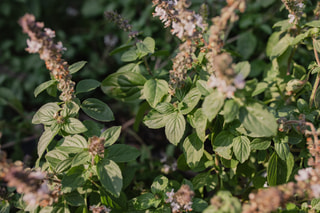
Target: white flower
170,196
239,81
50,32
60,47
188,207
45,55
300,5
316,190
291,18
303,174
175,207
213,82
177,29
162,13
199,21
30,199
33,46
165,169
189,27
38,175
229,91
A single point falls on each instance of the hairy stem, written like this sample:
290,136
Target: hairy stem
316,83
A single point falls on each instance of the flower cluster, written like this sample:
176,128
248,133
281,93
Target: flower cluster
181,200
184,23
295,8
96,146
99,209
187,26
225,79
41,41
32,184
121,22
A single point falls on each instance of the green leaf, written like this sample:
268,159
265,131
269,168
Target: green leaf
73,126
243,68
111,135
120,49
260,144
123,86
241,148
155,120
145,201
55,156
175,127
283,44
159,185
212,104
73,179
276,170
130,55
45,140
63,165
73,144
122,153
165,108
149,44
315,203
74,199
70,109
199,205
272,41
193,149
97,110
246,44
87,85
199,121
76,66
317,45
258,120
154,90
190,101
222,144
260,88
230,110
81,158
45,114
110,176
282,148
43,87
203,88
315,23
4,206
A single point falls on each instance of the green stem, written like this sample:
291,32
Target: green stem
316,83
147,66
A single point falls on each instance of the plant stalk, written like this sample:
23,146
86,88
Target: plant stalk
316,83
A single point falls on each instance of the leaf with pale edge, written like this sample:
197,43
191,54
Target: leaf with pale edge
175,127
111,135
212,104
73,126
190,101
241,148
222,144
110,176
258,120
73,68
154,90
193,149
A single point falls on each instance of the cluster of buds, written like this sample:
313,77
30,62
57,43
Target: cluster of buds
184,23
295,8
96,146
41,41
181,200
32,184
224,78
99,209
121,23
219,64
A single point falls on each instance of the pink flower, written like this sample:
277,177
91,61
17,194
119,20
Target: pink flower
50,32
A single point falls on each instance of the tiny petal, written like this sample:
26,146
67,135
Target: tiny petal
33,46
